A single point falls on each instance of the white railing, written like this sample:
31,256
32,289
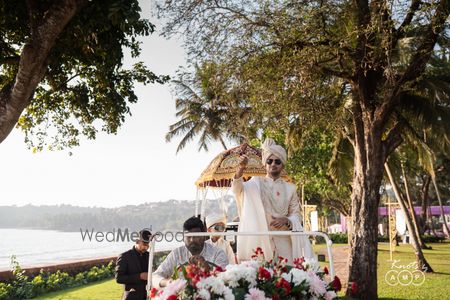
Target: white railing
329,243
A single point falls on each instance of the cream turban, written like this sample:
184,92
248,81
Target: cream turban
214,219
269,147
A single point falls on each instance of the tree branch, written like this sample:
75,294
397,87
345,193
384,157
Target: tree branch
393,139
347,135
327,71
240,14
61,86
419,61
363,13
33,61
358,130
423,53
301,44
32,9
10,60
413,8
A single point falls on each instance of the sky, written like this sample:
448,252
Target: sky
132,167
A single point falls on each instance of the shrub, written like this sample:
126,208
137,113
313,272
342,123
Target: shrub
6,291
80,279
23,288
58,281
38,283
336,238
433,239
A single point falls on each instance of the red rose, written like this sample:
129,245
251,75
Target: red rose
153,292
298,263
285,285
354,288
258,251
276,297
195,280
218,269
264,274
336,283
299,260
172,297
325,270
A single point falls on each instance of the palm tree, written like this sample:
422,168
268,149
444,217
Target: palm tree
428,111
422,263
201,110
197,119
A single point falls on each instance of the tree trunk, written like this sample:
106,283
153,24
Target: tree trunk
15,97
422,263
413,212
368,171
424,214
433,231
446,231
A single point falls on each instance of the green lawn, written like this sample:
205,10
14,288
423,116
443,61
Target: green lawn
435,286
102,290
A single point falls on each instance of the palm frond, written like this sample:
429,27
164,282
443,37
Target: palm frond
188,137
179,128
425,116
340,166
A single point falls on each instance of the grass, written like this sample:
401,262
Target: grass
435,286
103,290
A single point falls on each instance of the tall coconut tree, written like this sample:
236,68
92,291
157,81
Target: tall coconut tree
422,263
200,108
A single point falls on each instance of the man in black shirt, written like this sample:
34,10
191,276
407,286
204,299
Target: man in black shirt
132,268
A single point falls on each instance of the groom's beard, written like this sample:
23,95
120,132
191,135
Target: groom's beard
275,174
195,249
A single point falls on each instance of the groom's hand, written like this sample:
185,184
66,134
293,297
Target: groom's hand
279,222
164,282
243,161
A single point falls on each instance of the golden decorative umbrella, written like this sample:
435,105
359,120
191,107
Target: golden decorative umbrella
221,170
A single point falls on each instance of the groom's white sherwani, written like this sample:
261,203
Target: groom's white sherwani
258,200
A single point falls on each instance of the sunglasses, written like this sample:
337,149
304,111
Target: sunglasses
218,227
270,161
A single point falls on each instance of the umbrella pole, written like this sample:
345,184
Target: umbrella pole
196,202
203,208
150,266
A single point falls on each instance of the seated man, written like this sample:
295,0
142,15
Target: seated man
217,223
194,250
132,268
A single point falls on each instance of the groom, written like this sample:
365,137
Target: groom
269,204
